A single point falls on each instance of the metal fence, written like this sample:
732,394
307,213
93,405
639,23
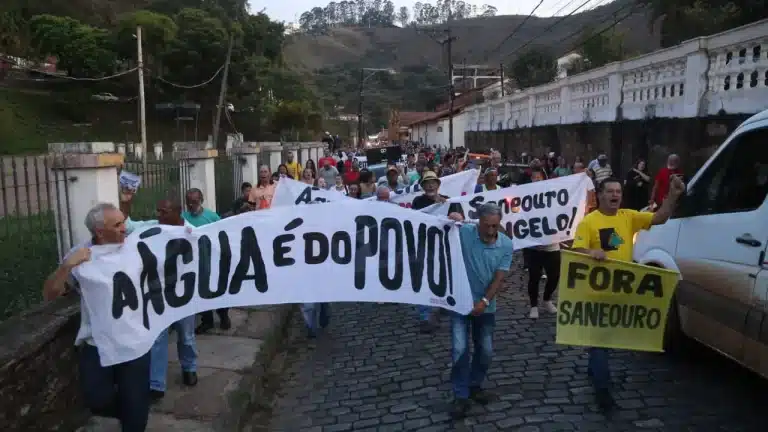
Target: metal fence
166,177
229,177
33,204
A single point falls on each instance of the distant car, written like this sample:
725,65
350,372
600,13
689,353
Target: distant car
106,97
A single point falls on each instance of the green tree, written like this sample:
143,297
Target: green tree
534,67
82,50
158,32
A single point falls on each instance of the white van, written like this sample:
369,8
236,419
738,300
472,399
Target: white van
717,240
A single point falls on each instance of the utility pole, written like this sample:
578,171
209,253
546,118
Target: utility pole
448,42
142,102
222,94
501,67
360,110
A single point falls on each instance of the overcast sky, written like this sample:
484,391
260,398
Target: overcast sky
290,10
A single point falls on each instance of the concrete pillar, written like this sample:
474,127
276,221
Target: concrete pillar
81,181
121,148
199,166
158,148
138,150
315,153
304,154
251,166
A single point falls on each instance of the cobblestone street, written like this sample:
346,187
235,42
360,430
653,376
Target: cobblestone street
373,371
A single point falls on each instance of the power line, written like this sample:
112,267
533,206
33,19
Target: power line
204,83
515,30
632,9
548,29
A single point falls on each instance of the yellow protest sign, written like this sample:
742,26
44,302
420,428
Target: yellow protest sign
613,304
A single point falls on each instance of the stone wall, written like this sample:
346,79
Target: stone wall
38,369
694,139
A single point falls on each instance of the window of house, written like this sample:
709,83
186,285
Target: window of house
737,181
439,128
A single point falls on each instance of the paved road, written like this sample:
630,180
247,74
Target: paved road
373,371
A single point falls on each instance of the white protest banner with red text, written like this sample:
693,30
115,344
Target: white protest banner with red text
358,251
537,214
454,185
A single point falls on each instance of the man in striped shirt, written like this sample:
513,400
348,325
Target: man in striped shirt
602,170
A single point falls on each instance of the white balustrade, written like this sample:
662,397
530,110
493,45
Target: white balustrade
726,73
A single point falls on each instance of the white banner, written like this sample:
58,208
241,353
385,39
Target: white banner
353,251
454,185
290,192
537,214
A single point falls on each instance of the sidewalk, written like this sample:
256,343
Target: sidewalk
230,367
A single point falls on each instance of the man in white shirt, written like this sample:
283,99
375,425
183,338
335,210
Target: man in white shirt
122,390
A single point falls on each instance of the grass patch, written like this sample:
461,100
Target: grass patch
29,252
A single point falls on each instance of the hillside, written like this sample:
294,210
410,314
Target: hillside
476,41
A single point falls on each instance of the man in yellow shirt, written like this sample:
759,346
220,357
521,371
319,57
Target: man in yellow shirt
294,167
608,232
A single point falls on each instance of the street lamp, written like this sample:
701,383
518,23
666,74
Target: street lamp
363,78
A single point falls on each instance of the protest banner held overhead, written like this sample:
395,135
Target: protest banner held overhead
454,185
290,192
376,252
536,214
613,304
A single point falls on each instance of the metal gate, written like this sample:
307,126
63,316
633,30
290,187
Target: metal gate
229,177
166,177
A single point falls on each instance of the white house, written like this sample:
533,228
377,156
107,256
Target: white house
433,130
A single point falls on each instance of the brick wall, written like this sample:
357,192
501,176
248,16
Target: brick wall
694,139
38,369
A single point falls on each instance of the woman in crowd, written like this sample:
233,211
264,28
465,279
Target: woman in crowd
367,184
320,182
637,187
562,169
282,170
275,177
264,190
308,176
310,165
540,259
353,190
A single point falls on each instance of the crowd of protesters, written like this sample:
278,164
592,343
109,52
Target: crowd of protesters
126,390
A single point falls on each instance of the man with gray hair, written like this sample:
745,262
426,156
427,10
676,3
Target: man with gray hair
487,259
382,193
122,390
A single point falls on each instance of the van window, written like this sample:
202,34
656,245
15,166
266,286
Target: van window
737,181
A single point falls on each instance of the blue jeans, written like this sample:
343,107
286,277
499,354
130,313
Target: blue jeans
120,391
316,315
466,375
185,344
424,312
599,369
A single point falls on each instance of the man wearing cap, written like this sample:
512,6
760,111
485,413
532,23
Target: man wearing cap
430,184
602,170
394,180
491,177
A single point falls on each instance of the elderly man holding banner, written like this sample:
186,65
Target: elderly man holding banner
487,257
607,233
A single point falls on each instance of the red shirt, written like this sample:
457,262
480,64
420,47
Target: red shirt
662,183
351,176
347,165
321,162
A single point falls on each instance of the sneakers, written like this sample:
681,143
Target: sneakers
481,396
550,307
534,314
